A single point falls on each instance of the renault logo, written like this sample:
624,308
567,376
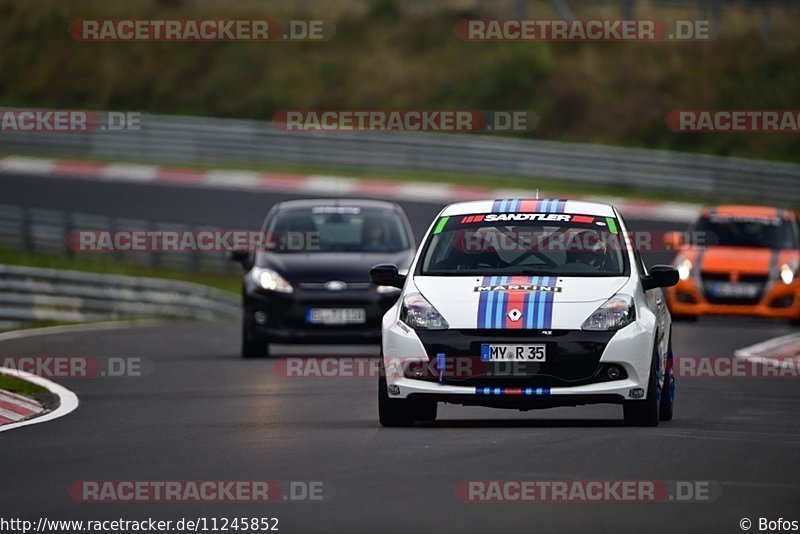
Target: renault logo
515,315
335,285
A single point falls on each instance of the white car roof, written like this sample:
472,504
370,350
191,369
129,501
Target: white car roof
529,205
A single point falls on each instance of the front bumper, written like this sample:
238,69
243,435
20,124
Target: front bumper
571,378
777,301
286,320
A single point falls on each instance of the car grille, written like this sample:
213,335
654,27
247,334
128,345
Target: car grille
320,286
758,282
573,357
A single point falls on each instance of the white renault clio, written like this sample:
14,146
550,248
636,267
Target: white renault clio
526,303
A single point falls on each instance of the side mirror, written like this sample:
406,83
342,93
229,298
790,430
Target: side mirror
242,256
660,276
673,240
386,274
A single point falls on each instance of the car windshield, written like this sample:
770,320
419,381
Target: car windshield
539,245
336,229
743,231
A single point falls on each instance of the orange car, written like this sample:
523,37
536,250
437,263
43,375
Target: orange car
740,260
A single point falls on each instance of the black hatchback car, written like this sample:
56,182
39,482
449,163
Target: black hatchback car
309,283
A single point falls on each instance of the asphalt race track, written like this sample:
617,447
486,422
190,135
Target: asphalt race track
203,413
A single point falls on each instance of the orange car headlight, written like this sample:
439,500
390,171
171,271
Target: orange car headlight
684,269
787,274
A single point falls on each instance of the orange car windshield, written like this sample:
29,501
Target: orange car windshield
743,231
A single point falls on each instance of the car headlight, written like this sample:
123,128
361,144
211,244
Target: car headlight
615,313
684,269
270,280
419,314
388,290
787,274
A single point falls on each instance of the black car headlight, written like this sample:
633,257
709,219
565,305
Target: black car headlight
269,280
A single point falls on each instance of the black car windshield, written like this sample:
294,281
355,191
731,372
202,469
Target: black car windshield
336,229
542,245
744,231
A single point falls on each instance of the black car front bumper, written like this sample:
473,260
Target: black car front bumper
284,316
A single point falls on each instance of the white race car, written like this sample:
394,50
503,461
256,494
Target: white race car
526,303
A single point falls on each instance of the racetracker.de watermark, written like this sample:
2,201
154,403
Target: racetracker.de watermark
405,120
737,367
132,30
581,30
54,367
68,120
189,241
439,368
186,491
734,120
587,491
526,240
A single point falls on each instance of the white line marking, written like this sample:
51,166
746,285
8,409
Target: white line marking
104,325
28,165
233,179
331,184
128,172
420,191
790,344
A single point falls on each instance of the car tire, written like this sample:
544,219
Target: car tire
401,412
252,348
667,407
645,412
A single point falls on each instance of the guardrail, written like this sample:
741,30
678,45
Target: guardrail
29,294
205,140
45,231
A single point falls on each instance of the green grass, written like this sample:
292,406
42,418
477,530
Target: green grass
106,265
610,93
19,386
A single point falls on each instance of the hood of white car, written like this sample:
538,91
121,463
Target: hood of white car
513,302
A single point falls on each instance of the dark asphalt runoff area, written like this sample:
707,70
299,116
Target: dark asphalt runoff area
200,412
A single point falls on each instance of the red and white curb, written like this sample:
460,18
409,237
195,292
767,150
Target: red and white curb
15,407
787,346
17,411
231,179
68,401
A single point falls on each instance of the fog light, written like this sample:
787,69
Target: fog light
260,317
783,302
613,373
394,390
636,393
415,370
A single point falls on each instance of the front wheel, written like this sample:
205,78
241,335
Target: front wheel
645,412
401,412
252,348
667,406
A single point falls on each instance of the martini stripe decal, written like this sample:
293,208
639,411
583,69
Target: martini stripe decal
512,391
536,307
528,205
